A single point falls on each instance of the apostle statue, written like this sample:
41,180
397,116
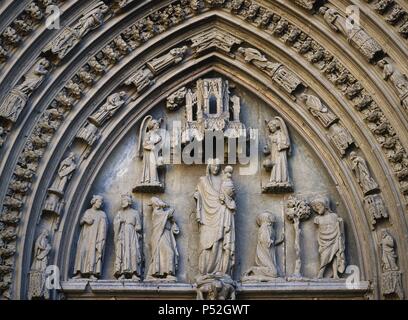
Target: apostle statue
164,253
37,276
362,173
149,151
128,234
91,243
278,148
215,214
318,110
112,104
265,268
330,237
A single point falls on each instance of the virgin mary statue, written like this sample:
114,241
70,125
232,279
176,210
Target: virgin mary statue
215,215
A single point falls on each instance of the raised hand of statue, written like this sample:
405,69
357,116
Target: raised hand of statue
280,241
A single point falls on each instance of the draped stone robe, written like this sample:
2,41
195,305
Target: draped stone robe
128,228
91,244
217,229
165,255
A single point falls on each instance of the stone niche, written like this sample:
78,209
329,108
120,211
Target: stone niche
308,176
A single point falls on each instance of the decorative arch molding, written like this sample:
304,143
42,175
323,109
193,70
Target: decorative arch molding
367,140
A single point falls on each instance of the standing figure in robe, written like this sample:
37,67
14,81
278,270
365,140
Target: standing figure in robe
91,243
128,234
278,148
165,256
363,175
149,150
388,254
330,237
215,215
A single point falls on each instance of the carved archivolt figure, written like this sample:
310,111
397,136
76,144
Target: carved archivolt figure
128,234
265,267
255,57
164,253
363,174
42,249
174,56
112,104
215,215
330,237
65,172
318,110
278,148
14,103
388,255
91,243
149,151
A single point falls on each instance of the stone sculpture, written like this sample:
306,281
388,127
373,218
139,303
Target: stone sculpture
318,110
175,100
266,267
216,289
89,133
391,281
214,39
16,100
149,150
37,275
297,210
330,237
113,103
164,254
56,192
341,138
215,214
128,235
91,243
375,207
358,37
71,36
174,56
362,173
277,150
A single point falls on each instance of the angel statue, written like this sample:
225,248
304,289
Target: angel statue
277,149
150,150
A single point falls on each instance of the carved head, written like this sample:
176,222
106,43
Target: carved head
104,8
320,205
125,200
353,155
123,94
97,202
